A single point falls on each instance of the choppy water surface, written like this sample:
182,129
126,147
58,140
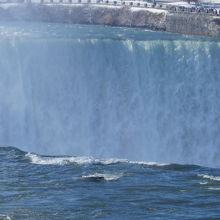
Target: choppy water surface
44,187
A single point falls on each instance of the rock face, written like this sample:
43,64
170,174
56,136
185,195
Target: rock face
195,24
123,16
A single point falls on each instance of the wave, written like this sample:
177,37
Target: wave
205,176
203,183
149,163
4,217
11,149
47,160
85,160
65,160
103,176
214,188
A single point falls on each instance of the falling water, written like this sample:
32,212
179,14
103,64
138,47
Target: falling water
110,92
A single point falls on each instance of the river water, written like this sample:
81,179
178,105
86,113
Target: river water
64,187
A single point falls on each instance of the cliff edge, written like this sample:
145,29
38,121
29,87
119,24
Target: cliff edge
123,16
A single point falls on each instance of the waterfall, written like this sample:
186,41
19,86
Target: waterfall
155,99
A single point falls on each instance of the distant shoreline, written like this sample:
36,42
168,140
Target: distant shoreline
141,16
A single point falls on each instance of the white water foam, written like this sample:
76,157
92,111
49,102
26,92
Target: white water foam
214,188
107,177
148,163
46,160
4,217
215,178
203,183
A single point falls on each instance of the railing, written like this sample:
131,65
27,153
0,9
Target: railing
140,4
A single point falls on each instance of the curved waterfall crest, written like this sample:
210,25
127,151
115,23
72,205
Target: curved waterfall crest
151,100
